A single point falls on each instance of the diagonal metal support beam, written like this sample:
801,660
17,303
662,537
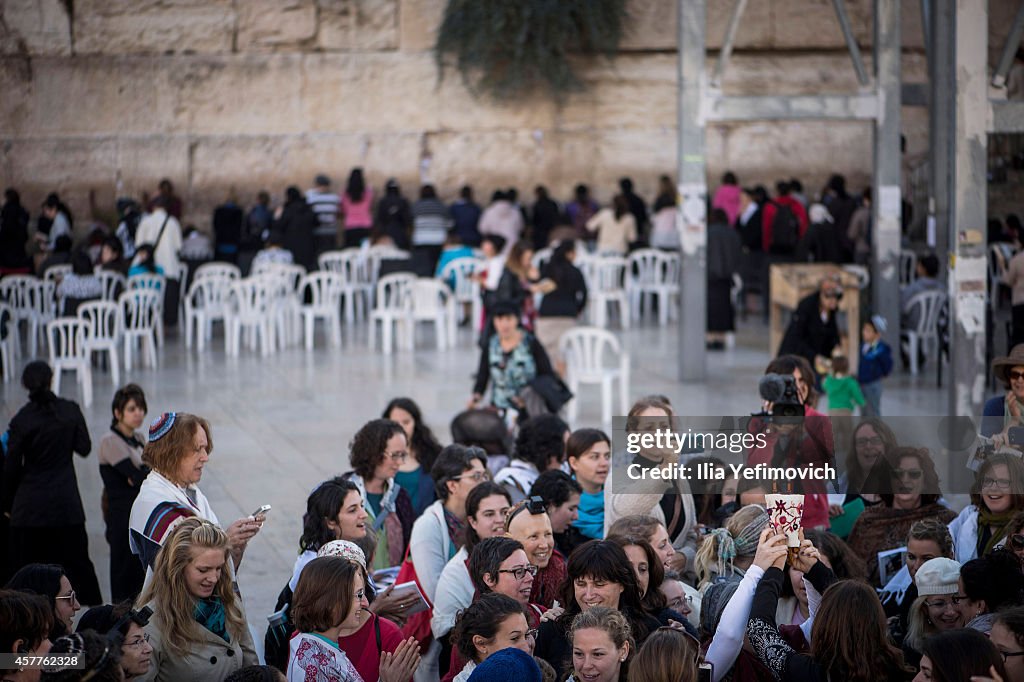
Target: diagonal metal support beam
1009,49
727,42
851,44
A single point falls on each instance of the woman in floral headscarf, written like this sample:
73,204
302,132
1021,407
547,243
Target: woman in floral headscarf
729,551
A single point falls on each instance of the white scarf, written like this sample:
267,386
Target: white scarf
159,508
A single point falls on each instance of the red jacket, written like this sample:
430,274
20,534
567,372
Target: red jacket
768,216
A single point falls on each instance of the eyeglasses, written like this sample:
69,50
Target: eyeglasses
535,504
1015,375
1010,654
679,601
995,483
942,604
70,596
398,456
476,476
909,474
519,572
532,634
143,639
866,442
360,595
1017,541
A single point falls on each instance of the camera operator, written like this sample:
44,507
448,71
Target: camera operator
796,434
812,332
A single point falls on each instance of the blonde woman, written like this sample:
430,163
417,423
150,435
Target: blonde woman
601,642
198,629
730,550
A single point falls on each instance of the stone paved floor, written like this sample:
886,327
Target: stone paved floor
282,424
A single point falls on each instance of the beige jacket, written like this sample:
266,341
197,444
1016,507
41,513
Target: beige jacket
211,659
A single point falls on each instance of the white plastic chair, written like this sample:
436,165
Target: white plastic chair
66,337
653,274
140,314
251,313
205,303
283,281
8,334
607,287
908,267
217,269
102,321
152,282
433,301
585,350
325,289
41,302
14,291
467,289
393,309
374,255
353,268
55,273
925,335
113,283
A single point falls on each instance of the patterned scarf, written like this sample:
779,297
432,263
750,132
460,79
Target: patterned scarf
547,581
210,614
999,523
456,531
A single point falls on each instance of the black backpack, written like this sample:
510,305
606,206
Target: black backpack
785,230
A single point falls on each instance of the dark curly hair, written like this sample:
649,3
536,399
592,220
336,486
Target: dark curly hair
476,496
323,505
423,442
540,439
366,451
483,618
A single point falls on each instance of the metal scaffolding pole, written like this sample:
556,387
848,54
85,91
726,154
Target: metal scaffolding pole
1009,49
967,234
851,43
941,120
693,191
886,203
730,39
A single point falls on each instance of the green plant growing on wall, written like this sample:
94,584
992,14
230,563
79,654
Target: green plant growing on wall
505,49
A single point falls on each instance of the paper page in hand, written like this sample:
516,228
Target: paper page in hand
406,590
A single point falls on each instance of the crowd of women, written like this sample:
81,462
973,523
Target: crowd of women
505,556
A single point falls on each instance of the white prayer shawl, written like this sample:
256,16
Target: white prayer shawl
159,508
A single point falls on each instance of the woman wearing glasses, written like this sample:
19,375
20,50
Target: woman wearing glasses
376,453
915,496
1004,411
136,650
937,607
867,471
1008,636
996,498
492,623
414,473
50,581
198,629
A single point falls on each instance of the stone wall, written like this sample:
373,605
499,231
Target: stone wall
259,94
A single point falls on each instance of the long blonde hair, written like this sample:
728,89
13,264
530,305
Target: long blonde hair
173,603
919,626
711,560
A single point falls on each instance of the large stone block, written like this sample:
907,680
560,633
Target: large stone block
419,21
154,26
275,24
358,24
34,27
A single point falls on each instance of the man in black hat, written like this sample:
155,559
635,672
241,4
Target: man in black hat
813,332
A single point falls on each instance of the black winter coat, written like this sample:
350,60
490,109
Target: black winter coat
297,223
40,488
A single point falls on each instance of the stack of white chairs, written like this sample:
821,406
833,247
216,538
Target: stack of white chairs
460,272
393,309
353,269
325,289
594,356
113,283
55,273
157,283
41,306
102,321
433,301
251,314
14,292
607,287
140,315
286,308
654,276
8,335
66,338
206,302
925,306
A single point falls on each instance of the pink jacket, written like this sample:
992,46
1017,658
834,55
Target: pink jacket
358,214
727,198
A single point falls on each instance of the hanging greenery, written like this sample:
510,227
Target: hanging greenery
507,48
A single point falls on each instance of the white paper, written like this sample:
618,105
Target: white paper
970,312
692,217
971,269
889,203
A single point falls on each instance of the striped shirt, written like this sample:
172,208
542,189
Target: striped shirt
430,222
325,205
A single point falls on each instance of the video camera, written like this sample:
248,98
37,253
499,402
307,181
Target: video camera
780,390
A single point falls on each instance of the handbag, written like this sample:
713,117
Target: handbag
553,391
